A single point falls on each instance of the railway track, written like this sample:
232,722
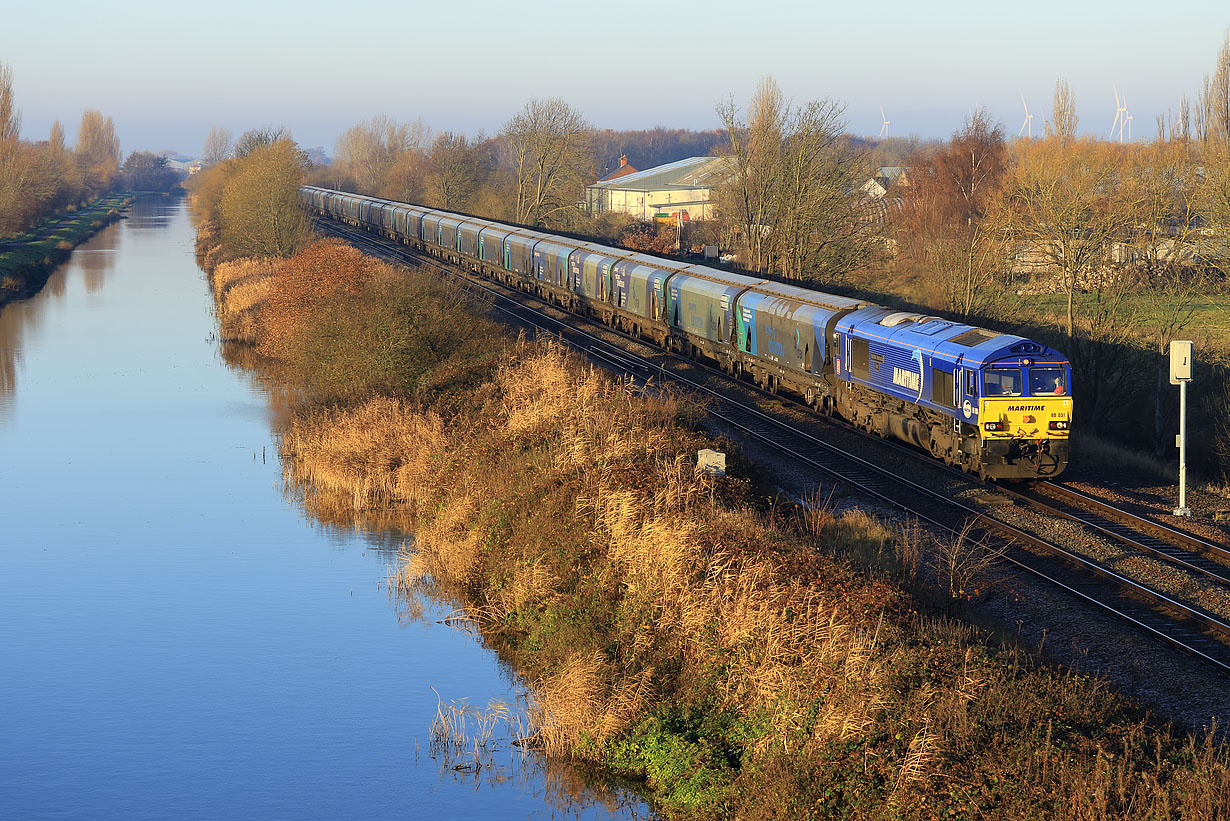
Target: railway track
1182,626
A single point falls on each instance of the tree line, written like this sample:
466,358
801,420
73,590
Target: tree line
39,177
43,176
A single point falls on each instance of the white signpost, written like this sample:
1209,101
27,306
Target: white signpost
1181,374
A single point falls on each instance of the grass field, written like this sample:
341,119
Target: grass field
1206,317
27,259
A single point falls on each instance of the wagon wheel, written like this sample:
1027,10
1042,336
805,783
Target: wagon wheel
937,450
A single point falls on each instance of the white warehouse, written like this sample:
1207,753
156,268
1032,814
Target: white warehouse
682,188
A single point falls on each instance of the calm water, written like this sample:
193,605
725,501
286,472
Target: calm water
176,638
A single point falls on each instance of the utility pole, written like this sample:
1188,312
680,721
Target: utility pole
1181,374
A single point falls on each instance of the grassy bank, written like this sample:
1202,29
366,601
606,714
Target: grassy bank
729,654
27,260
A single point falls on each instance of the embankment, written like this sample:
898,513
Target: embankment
27,260
674,628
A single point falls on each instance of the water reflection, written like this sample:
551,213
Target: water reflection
152,213
493,746
222,654
94,265
22,321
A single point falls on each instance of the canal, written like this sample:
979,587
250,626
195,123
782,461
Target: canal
178,638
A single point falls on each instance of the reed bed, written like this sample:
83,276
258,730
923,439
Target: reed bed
676,630
697,607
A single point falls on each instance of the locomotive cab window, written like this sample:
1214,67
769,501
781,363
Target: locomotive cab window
1047,382
1002,382
971,382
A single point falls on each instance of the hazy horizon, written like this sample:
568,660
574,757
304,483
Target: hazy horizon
166,81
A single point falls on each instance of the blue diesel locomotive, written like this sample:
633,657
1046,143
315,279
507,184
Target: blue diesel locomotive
993,404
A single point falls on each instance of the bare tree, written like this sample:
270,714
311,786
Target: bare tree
548,145
455,171
1063,112
1176,126
255,138
417,135
794,190
749,198
1213,204
10,116
823,228
953,222
1068,213
259,207
98,150
56,137
368,151
217,145
1217,97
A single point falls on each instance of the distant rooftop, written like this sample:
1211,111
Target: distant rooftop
693,172
624,170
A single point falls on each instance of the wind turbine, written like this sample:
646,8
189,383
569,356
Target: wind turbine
1128,117
1120,116
884,127
1028,125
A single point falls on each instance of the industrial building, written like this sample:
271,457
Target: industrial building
682,189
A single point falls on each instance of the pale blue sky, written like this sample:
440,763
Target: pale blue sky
166,71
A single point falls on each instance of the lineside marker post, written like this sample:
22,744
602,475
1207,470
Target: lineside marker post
1181,374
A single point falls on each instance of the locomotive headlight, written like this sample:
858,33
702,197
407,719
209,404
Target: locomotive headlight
995,425
1061,424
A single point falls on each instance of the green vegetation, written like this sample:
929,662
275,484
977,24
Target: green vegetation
249,205
26,260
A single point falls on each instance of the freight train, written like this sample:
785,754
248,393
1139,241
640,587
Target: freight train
993,404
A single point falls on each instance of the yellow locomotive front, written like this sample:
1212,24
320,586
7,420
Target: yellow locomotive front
1025,415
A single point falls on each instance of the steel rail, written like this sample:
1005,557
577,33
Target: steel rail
1174,535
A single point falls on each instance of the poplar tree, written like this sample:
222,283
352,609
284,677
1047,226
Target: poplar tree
98,151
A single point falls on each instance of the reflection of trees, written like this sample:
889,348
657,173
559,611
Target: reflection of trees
17,322
149,213
55,286
93,258
96,257
94,266
10,357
